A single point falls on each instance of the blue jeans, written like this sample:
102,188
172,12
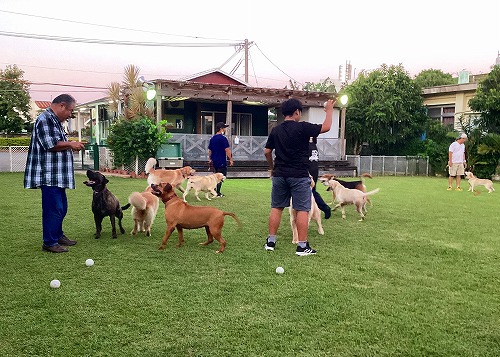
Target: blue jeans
54,209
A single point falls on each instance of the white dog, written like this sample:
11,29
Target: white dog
314,214
206,184
346,196
474,181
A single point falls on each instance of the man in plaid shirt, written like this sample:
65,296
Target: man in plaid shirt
50,167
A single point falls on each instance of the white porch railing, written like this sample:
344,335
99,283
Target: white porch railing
250,148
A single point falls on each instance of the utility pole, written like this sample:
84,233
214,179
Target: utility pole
246,60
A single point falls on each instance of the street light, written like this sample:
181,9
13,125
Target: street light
343,101
148,87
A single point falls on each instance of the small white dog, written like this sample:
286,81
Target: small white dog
474,181
346,196
314,214
206,184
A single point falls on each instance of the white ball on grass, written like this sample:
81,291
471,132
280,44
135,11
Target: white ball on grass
280,270
55,284
89,262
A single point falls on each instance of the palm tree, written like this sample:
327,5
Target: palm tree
131,94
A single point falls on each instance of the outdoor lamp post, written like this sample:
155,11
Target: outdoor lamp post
148,87
343,101
150,93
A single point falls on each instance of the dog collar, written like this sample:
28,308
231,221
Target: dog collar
169,198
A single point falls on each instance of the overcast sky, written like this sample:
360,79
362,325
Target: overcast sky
305,41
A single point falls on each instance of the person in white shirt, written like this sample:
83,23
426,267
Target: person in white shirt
456,161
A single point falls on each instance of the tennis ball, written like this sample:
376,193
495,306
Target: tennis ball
280,270
89,262
55,284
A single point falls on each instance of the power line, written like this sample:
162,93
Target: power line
237,44
113,42
20,65
63,69
279,69
115,27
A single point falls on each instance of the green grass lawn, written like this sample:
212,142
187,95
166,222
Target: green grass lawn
419,277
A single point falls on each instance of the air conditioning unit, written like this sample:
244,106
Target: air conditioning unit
177,104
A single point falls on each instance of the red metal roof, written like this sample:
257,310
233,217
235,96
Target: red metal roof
42,104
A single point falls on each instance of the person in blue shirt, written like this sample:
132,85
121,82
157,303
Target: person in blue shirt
219,152
49,166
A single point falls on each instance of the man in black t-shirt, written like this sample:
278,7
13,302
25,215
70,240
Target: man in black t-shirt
290,169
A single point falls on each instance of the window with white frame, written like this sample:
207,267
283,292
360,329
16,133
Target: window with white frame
444,114
241,122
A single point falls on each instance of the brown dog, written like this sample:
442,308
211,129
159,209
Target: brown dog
174,177
357,185
144,208
180,215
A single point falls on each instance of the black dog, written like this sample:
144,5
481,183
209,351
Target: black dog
104,203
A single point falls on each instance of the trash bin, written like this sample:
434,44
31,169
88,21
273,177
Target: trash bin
170,156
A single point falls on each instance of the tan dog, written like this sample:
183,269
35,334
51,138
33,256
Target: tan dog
314,214
206,184
474,181
346,196
180,215
175,177
144,208
358,184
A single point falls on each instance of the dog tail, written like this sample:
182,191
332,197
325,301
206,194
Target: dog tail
366,175
372,192
235,218
137,200
125,207
150,164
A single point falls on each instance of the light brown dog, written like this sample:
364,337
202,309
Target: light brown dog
180,215
175,177
358,184
474,181
144,208
314,214
206,184
346,196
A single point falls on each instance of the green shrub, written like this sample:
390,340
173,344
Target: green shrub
139,137
16,141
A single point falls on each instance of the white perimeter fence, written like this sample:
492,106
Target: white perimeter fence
391,165
13,159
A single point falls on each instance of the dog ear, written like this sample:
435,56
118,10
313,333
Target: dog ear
168,187
106,180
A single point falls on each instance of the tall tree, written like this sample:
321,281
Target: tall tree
14,100
325,85
385,110
487,102
434,77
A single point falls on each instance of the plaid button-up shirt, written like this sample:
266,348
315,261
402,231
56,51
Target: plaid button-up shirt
45,167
